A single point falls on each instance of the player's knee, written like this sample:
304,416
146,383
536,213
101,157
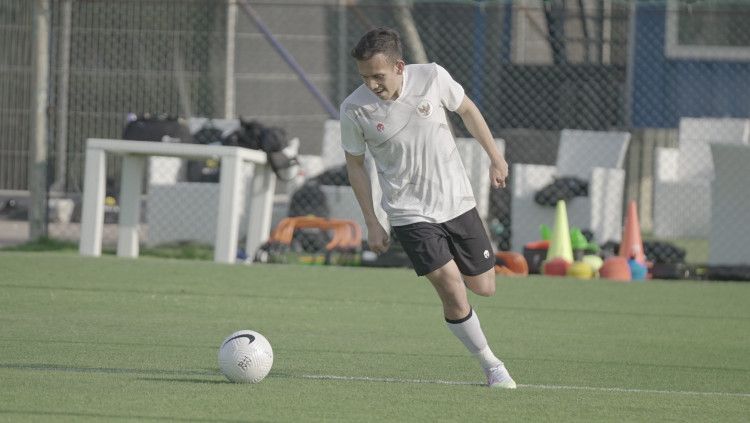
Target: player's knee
486,289
484,284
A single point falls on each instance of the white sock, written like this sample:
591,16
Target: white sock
469,331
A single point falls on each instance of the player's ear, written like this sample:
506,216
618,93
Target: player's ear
400,67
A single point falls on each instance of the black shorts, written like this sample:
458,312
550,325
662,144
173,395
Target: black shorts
432,245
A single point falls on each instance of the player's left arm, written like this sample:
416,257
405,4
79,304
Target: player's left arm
477,126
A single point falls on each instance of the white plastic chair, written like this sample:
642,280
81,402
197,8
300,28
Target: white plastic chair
594,156
730,206
682,188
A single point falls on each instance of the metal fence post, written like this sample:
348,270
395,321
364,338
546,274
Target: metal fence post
38,156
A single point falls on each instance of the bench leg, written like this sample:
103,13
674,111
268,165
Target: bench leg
92,218
261,207
228,219
130,205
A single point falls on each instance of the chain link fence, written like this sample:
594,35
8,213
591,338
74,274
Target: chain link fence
599,102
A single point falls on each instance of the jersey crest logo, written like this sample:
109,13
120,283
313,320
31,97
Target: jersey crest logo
424,108
380,127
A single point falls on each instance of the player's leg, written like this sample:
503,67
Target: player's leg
482,284
459,316
475,262
428,248
472,251
450,288
463,322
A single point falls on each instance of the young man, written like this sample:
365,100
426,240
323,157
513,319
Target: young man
399,115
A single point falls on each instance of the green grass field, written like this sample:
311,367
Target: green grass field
85,339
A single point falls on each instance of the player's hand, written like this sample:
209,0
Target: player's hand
498,173
377,239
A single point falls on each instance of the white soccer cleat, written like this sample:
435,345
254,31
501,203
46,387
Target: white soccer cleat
498,377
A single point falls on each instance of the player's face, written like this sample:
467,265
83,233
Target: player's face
382,76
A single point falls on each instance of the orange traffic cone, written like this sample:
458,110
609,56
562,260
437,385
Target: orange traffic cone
631,245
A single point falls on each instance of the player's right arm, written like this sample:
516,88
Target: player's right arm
377,238
353,142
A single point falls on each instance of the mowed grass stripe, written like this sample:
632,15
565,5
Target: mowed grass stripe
158,372
137,339
522,386
210,347
187,293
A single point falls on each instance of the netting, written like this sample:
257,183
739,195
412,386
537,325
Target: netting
672,75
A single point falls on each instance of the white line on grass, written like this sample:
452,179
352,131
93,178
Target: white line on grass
385,379
548,387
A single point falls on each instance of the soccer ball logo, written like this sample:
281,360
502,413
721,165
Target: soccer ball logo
245,356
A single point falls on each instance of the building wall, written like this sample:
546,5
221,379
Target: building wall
665,89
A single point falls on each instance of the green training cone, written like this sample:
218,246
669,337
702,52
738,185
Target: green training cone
560,245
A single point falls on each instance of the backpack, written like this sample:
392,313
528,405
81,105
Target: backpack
282,153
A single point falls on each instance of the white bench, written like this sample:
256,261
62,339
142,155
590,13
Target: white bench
134,154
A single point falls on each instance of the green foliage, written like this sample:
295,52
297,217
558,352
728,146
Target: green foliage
179,250
43,244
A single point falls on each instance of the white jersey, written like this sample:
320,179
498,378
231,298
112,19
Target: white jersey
419,168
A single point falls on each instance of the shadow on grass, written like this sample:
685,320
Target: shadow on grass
187,380
106,370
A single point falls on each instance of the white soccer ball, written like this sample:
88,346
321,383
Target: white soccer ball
245,357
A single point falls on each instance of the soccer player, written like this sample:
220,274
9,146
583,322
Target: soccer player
398,114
